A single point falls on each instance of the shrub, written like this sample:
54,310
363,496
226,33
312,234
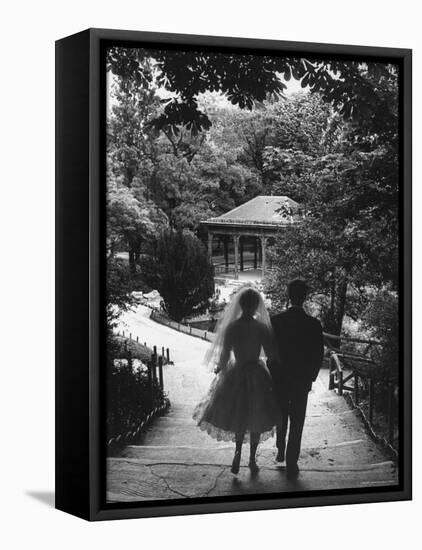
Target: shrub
130,398
382,320
138,351
181,272
119,289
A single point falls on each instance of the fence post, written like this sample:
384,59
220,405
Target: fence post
340,383
356,388
390,413
168,355
331,384
160,371
154,367
150,385
137,338
162,351
371,400
130,336
129,360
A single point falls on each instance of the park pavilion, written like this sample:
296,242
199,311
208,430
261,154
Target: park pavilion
246,230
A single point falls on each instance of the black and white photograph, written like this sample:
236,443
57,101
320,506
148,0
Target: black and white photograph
210,283
253,274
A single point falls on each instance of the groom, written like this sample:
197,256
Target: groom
299,343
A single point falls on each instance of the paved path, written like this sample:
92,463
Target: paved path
177,460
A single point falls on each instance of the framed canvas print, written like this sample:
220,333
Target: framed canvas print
233,274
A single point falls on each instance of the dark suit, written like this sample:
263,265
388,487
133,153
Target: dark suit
299,341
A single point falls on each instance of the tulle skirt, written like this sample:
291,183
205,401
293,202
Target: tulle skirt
239,401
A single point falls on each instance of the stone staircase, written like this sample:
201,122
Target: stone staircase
176,460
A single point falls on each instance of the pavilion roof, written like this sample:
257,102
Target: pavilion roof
262,210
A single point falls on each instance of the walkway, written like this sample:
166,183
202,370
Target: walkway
177,460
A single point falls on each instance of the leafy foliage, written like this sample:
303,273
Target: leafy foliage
122,346
334,150
181,272
131,221
348,188
360,92
129,398
118,289
382,319
347,241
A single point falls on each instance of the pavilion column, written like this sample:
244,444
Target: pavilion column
236,256
263,247
226,252
241,253
255,253
210,236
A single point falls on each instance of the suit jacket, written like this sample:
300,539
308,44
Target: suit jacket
300,347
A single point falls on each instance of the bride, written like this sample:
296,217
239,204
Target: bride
240,404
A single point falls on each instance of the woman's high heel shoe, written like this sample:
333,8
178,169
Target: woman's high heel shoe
236,463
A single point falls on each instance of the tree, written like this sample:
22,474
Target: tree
131,222
359,91
382,319
119,290
334,150
130,139
347,242
181,272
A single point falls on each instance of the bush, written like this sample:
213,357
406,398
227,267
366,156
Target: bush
130,398
181,272
138,351
119,290
382,320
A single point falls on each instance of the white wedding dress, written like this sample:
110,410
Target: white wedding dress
240,400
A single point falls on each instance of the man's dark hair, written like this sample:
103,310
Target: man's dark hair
249,300
297,290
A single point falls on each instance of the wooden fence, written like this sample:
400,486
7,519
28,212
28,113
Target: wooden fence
358,378
165,352
155,376
186,329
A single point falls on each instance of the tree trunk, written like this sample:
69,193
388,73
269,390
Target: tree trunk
132,264
341,305
333,317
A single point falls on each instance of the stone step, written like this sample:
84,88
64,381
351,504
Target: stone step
323,410
322,427
348,454
130,479
318,402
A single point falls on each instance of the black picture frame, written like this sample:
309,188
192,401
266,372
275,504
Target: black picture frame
80,199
